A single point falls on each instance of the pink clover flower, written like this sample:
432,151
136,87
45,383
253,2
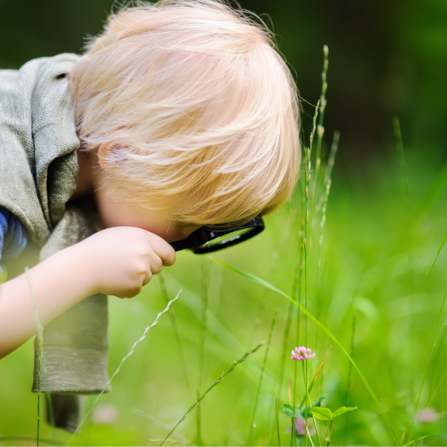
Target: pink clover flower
302,353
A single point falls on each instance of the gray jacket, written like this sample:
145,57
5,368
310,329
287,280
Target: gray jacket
38,175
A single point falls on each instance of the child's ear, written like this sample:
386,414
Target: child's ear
104,152
107,152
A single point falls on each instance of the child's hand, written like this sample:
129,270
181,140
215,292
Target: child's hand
117,261
121,260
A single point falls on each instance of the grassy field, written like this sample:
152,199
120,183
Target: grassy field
366,283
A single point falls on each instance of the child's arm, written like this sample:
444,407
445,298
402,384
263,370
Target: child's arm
117,261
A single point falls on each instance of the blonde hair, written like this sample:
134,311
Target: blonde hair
200,107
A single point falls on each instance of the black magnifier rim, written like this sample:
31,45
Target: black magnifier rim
196,241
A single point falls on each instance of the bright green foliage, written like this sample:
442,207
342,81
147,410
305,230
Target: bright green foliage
296,412
324,414
292,412
342,410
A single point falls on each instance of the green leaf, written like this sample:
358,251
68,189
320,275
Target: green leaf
288,410
324,414
323,328
318,403
299,413
292,412
306,414
342,410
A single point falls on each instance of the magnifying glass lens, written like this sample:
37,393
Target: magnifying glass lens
206,239
226,238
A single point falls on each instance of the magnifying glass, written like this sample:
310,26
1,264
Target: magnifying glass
206,239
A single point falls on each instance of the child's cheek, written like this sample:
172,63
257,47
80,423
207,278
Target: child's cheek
119,213
169,231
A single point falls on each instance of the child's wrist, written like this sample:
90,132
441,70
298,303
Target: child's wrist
82,265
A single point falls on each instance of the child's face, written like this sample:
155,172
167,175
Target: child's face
116,211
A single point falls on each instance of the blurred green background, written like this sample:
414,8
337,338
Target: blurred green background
386,59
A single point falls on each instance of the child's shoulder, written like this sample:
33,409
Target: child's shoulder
36,128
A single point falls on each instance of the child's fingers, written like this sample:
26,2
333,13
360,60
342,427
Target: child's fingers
162,249
130,293
147,277
156,263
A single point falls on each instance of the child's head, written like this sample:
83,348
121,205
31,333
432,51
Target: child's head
190,104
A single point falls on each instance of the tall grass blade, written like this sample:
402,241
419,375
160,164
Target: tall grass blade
50,408
328,183
402,161
437,254
320,128
436,349
405,182
164,291
315,378
348,381
325,199
323,328
132,350
277,420
306,234
432,196
306,244
421,438
233,366
39,336
307,396
261,376
205,298
292,432
307,174
154,421
437,388
285,347
429,365
274,266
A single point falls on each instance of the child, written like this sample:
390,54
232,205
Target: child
181,114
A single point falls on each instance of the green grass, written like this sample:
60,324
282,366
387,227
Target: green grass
370,288
364,271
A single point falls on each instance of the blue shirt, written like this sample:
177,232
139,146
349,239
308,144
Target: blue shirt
13,236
